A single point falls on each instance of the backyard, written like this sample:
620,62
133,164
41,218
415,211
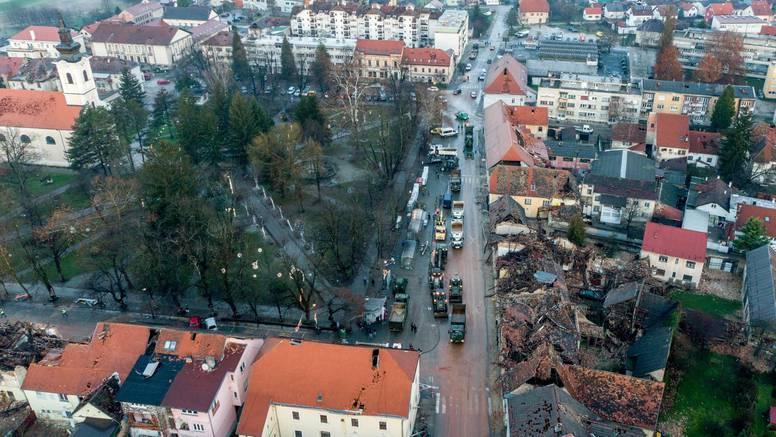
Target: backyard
712,305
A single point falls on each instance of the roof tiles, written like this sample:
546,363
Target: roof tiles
507,76
676,242
672,130
36,110
534,6
379,47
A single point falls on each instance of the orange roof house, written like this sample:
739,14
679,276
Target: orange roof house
508,144
426,56
507,76
716,9
767,217
376,47
529,115
535,6
190,344
79,369
329,377
39,33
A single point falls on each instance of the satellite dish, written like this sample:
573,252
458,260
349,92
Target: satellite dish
205,367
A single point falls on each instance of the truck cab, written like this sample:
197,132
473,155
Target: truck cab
457,323
455,288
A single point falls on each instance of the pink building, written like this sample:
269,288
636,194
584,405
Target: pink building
191,385
570,155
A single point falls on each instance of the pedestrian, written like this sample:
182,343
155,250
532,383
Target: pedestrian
364,281
373,282
64,312
2,313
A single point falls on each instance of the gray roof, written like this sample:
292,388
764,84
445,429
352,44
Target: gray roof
92,427
650,352
109,65
138,389
571,149
759,287
576,51
629,188
697,88
712,191
612,200
673,195
623,293
614,7
552,411
624,164
653,25
199,13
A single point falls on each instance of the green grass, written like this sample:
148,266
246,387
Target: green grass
765,387
713,305
37,187
72,265
74,198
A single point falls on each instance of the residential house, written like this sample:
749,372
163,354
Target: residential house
507,217
620,187
675,254
533,12
761,9
693,99
595,99
207,30
189,16
532,118
192,385
38,42
56,385
379,59
649,32
662,12
218,48
716,9
451,31
536,189
758,296
571,156
427,65
9,67
507,144
766,216
592,13
107,73
157,45
714,198
36,74
689,10
764,158
647,357
669,134
507,81
635,16
142,13
704,148
628,135
737,24
338,396
614,11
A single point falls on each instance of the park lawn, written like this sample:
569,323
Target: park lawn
75,198
765,388
712,305
36,185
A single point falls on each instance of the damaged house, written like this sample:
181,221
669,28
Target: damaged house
535,189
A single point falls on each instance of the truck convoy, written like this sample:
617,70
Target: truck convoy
468,142
456,229
458,209
456,289
457,323
455,180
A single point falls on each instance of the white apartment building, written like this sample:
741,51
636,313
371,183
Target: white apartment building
595,99
265,50
451,31
758,52
675,254
147,44
353,21
738,24
38,42
284,6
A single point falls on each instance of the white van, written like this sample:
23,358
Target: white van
447,132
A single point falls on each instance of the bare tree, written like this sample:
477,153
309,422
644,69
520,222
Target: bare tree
20,156
351,87
57,235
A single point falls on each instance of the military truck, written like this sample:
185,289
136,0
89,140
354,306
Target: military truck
455,180
458,208
398,316
456,289
439,303
468,142
456,229
457,323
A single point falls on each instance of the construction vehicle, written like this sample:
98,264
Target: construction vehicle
456,229
398,316
455,180
439,256
458,209
457,323
468,142
456,289
440,227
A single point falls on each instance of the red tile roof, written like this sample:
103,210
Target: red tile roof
528,115
534,6
379,47
36,109
672,130
220,39
761,8
39,33
596,10
327,376
501,140
191,344
540,182
672,241
705,142
507,76
768,151
127,33
719,9
426,56
80,368
768,30
767,217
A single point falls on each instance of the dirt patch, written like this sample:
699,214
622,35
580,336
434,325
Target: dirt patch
721,284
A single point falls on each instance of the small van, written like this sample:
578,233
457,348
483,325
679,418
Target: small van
447,132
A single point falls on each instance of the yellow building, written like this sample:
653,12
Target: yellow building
533,188
379,59
693,99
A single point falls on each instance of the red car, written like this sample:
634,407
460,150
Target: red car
162,82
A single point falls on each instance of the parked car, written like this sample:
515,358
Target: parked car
162,82
433,89
473,94
585,129
468,67
462,116
457,91
444,131
291,90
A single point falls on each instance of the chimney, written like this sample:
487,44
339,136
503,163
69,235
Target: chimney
32,35
375,358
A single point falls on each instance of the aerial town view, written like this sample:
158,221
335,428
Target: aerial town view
387,218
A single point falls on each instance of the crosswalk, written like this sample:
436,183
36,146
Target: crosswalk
474,403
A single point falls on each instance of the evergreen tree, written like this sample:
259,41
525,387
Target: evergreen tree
735,152
130,88
321,67
246,121
240,66
163,112
287,61
94,141
131,120
724,110
310,117
753,235
576,232
196,128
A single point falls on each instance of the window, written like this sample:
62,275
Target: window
690,265
687,278
50,140
663,259
63,397
297,433
2,137
214,406
527,201
660,272
295,415
383,426
25,139
545,203
86,78
189,412
325,434
169,345
69,78
242,367
324,419
354,423
198,427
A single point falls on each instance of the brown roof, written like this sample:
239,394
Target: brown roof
768,143
705,142
767,217
534,6
619,398
36,109
80,368
507,76
719,9
761,8
545,183
328,376
128,33
426,56
594,10
379,47
501,140
528,115
768,30
39,33
672,130
220,39
629,133
10,66
191,344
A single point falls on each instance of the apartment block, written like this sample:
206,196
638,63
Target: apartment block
595,99
693,99
451,31
265,51
758,50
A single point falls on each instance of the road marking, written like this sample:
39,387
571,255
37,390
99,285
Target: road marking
437,403
487,396
444,406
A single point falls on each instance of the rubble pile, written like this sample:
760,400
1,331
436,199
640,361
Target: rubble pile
22,343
